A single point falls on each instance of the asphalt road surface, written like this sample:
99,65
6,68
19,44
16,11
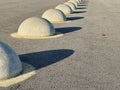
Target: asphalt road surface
87,57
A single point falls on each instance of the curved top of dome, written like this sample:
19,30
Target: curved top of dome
78,1
54,15
74,2
10,64
64,8
70,4
35,28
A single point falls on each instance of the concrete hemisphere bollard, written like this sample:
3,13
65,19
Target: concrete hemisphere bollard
54,15
70,4
74,2
10,64
64,8
36,28
78,1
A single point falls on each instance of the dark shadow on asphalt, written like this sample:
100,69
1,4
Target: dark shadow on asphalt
85,2
68,29
81,7
74,18
45,58
75,12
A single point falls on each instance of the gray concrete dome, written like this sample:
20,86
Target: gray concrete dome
10,64
74,2
70,4
35,28
78,1
64,8
54,15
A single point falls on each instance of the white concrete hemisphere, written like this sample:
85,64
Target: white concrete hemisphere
64,8
10,64
54,15
70,4
74,2
78,1
35,28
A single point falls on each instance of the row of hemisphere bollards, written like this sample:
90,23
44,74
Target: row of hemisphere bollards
33,28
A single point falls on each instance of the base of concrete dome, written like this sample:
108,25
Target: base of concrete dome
28,71
16,35
67,13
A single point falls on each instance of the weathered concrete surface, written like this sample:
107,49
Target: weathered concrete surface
54,15
10,64
35,27
94,39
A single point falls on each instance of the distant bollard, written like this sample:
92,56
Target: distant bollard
64,8
75,3
54,16
70,4
78,1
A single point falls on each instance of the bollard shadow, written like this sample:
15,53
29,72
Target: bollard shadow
45,58
74,18
83,5
68,29
81,8
84,2
34,61
75,12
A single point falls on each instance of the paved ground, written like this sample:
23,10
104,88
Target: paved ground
87,57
